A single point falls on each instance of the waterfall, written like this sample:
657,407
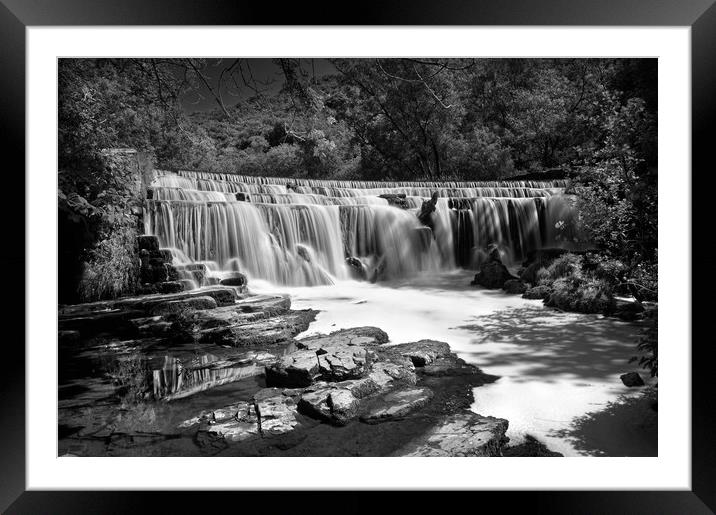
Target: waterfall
300,232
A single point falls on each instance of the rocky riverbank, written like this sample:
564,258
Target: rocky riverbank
218,371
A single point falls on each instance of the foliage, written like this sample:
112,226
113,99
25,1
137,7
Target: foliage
576,287
111,269
649,343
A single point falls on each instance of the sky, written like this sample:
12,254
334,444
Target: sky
265,71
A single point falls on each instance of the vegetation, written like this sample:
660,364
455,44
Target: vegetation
377,119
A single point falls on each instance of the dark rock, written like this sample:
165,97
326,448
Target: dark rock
397,404
427,209
180,305
629,311
166,255
357,269
396,200
531,447
148,242
537,292
303,252
329,403
262,331
514,286
235,279
153,273
172,272
492,275
632,379
423,352
298,369
461,434
243,197
451,365
170,287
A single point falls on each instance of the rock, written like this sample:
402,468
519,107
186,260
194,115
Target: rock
632,379
265,331
180,305
514,286
276,412
235,279
537,292
387,374
461,434
427,209
172,272
297,369
236,423
530,447
628,310
153,273
343,406
354,336
397,404
357,269
396,200
492,275
423,352
148,242
243,197
329,403
453,366
166,255
341,362
170,287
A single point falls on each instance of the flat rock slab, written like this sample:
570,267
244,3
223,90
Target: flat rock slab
335,404
298,369
461,434
353,336
423,352
269,331
398,404
276,412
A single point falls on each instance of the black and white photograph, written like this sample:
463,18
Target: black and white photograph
350,257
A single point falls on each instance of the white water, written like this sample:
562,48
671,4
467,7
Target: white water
554,366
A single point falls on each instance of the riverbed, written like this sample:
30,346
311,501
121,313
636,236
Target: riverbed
559,372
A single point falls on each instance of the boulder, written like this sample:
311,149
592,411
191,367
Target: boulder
172,272
530,447
298,369
235,423
492,275
166,255
341,362
264,331
422,352
632,379
330,403
514,286
461,434
397,404
628,310
537,292
235,279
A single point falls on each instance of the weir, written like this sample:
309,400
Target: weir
305,232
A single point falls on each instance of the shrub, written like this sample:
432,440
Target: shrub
111,269
566,265
581,294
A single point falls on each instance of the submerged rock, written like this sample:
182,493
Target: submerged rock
276,412
235,279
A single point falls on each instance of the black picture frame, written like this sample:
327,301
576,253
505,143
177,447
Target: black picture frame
17,15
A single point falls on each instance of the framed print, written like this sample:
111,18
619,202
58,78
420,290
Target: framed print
356,258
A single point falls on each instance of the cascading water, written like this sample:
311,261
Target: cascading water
299,232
